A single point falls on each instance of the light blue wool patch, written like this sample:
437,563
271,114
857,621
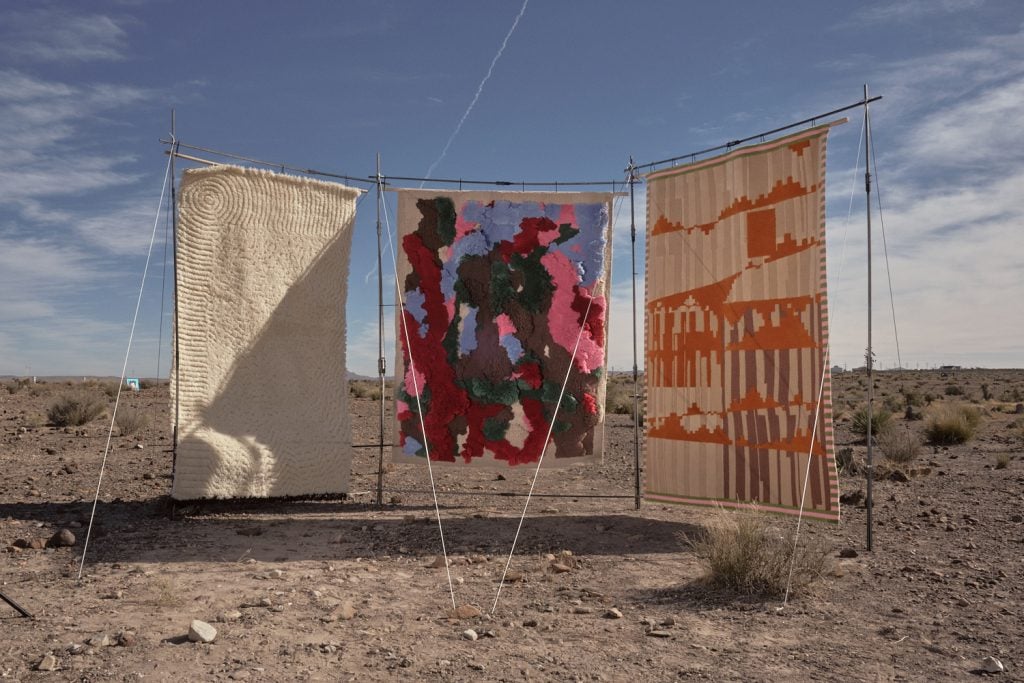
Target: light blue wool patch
585,249
513,347
467,338
412,446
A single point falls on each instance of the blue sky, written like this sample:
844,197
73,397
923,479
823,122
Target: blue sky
86,90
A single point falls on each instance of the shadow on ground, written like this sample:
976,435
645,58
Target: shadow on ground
156,531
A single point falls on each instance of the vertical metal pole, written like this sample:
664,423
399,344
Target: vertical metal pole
869,360
636,375
177,327
381,363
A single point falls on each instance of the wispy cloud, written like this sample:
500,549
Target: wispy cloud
909,10
60,35
951,198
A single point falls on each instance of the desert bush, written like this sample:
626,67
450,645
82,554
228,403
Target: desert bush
845,462
72,410
899,445
893,404
912,398
879,420
13,386
745,552
619,398
951,424
986,393
364,389
953,390
1002,461
131,421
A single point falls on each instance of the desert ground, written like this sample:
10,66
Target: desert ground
345,590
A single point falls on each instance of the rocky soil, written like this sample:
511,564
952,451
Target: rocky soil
597,590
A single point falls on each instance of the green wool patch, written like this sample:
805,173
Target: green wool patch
450,343
565,233
537,284
495,428
445,220
502,291
505,392
561,426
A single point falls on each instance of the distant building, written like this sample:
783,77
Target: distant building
949,367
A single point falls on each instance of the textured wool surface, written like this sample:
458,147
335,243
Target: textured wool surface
260,388
737,330
497,287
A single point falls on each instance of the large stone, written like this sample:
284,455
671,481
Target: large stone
62,539
464,612
992,665
47,663
201,632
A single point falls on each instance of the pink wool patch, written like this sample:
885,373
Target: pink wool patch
563,320
505,325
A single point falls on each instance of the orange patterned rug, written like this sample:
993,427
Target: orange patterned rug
737,331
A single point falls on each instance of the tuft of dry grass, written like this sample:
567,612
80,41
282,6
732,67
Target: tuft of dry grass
73,410
131,421
879,421
1002,461
899,445
747,552
951,424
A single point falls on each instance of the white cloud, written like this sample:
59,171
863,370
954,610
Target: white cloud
57,35
910,10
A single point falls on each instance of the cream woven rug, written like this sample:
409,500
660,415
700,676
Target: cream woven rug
259,390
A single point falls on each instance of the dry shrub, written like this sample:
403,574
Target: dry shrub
131,421
899,445
72,410
1002,461
846,463
749,553
951,424
879,420
362,388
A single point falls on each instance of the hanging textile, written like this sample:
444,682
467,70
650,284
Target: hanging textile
260,389
737,330
495,290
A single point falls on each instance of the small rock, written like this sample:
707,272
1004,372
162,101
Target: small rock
898,476
49,663
346,611
465,612
201,632
1017,519
37,544
127,639
148,476
437,563
669,621
20,543
514,576
98,641
992,665
530,623
275,574
62,539
227,617
613,613
560,568
470,634
656,633
139,446
582,610
264,602
476,666
848,553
